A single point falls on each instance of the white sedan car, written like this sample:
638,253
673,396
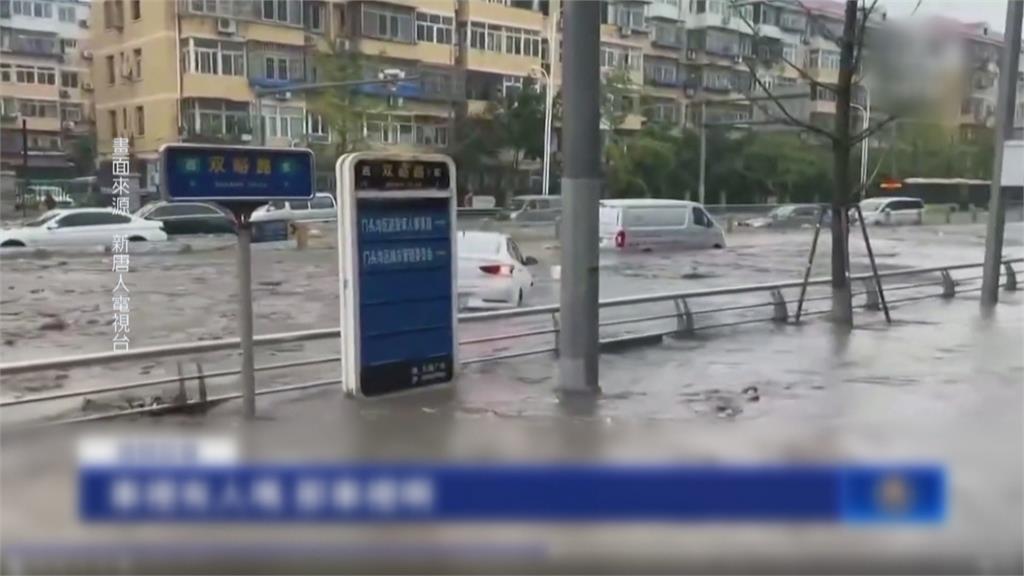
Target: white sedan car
81,226
493,273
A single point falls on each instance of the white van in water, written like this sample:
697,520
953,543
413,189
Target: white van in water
649,224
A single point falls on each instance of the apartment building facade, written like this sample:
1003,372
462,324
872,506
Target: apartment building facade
45,84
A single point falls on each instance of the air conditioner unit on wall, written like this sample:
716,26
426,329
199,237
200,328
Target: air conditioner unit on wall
87,86
87,54
227,26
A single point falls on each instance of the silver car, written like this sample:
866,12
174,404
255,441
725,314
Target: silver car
321,207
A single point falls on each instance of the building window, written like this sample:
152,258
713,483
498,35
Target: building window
388,23
789,52
824,94
71,112
823,59
34,9
315,125
140,121
431,135
136,64
66,13
275,10
314,17
68,44
631,17
112,118
38,108
434,28
5,72
619,57
276,68
124,119
69,79
113,13
111,76
505,39
136,9
283,122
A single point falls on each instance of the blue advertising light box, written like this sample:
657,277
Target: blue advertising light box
398,268
236,173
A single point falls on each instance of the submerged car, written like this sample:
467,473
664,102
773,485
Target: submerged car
493,273
652,224
78,226
789,216
188,218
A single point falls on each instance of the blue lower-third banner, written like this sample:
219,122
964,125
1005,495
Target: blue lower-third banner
535,492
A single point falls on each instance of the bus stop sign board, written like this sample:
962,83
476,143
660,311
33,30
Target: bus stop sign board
236,174
398,268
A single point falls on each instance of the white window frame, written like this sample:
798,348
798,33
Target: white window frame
434,31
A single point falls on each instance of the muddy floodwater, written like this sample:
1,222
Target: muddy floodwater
942,384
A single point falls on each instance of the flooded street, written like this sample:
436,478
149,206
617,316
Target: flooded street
942,384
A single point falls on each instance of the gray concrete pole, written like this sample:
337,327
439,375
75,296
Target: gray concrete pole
1004,131
581,191
703,153
248,380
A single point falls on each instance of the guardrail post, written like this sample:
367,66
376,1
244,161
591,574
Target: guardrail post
780,313
558,331
1011,276
948,285
684,318
873,302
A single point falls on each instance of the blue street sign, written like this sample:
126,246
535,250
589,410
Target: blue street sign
398,269
236,173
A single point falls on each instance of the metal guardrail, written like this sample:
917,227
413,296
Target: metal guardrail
683,315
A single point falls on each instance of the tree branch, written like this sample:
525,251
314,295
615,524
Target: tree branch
803,73
824,29
860,39
871,130
793,120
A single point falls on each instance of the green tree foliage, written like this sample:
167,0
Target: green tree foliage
343,109
519,120
929,150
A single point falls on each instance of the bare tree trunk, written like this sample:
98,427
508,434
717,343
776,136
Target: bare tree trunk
842,310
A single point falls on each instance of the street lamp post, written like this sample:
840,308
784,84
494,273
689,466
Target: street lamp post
865,123
548,101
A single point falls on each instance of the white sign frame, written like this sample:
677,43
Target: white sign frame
348,273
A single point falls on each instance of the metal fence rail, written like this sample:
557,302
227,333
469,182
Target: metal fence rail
682,314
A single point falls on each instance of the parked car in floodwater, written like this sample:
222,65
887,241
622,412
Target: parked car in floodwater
493,273
534,209
188,218
653,224
321,207
789,216
81,226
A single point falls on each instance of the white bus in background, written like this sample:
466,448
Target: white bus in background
651,224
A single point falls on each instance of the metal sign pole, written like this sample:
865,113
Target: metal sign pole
248,378
240,179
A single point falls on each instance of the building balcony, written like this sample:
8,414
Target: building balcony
243,136
519,14
215,86
664,82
